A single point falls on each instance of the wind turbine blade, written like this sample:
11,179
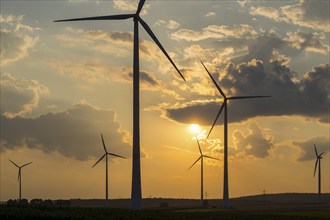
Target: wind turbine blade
141,3
321,154
116,155
316,150
14,163
105,149
215,83
317,160
26,164
211,157
199,147
249,97
19,175
99,160
107,17
153,36
216,118
195,162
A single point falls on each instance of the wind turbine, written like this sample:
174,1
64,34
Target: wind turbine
19,178
106,154
318,162
201,157
136,196
225,161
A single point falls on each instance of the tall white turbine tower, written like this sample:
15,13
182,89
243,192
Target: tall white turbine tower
106,154
201,157
318,162
225,136
136,195
19,178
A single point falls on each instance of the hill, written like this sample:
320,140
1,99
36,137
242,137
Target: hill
254,200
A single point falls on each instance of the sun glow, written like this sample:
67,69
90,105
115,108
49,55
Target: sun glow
194,128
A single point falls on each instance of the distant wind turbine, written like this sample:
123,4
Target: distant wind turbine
318,162
225,161
202,164
19,179
136,196
106,153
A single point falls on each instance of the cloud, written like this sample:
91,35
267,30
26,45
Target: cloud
74,133
307,146
197,52
172,24
89,70
118,44
308,96
210,14
310,42
149,82
242,3
218,32
255,143
285,151
15,23
92,71
124,5
310,14
16,39
84,1
262,46
20,96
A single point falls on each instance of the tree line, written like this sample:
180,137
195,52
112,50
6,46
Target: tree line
39,202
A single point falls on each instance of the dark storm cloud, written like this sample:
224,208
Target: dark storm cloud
74,133
308,96
322,145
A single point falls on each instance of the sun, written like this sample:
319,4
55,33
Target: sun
194,128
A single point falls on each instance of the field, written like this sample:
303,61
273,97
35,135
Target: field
236,213
271,207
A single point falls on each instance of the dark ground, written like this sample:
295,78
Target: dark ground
236,213
271,207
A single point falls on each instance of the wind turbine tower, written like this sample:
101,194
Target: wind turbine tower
19,178
136,194
318,163
201,157
106,154
225,136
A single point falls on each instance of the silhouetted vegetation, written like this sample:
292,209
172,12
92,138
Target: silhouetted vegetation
38,203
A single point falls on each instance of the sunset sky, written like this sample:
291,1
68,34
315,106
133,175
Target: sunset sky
63,84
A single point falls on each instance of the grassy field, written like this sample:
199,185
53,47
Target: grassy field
159,214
